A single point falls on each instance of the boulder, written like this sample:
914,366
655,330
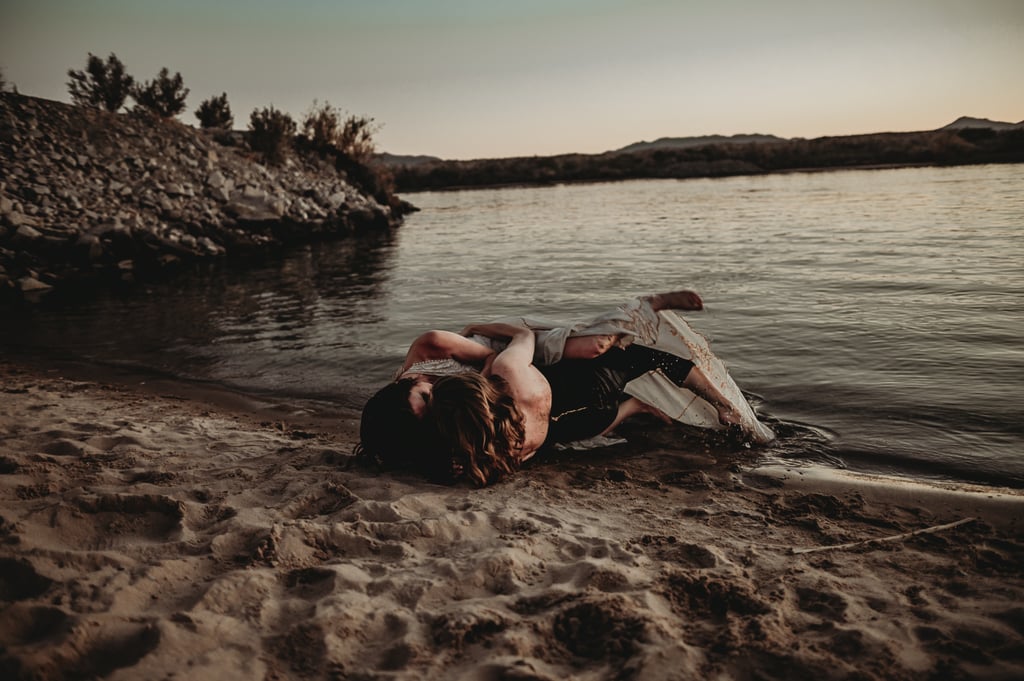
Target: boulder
257,208
91,245
215,180
29,284
18,220
27,232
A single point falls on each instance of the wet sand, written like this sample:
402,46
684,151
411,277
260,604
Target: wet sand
151,535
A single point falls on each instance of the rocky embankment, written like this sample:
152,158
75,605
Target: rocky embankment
89,195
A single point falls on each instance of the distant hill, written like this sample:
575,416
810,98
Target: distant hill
676,143
702,157
967,123
387,159
701,141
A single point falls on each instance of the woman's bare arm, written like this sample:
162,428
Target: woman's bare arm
528,387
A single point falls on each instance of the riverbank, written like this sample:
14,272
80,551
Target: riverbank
151,532
89,195
945,147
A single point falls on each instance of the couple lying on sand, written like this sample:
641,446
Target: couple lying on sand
477,405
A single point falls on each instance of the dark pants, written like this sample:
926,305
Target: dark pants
585,394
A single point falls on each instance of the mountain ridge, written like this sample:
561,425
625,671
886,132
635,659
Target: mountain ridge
961,123
967,122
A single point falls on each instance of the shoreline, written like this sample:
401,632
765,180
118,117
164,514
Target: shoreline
148,534
998,506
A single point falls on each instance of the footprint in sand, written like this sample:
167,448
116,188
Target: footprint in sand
19,581
69,447
600,629
821,602
107,651
49,644
696,593
108,442
302,648
311,583
668,548
113,520
23,624
322,500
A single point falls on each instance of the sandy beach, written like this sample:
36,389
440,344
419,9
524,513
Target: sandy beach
148,534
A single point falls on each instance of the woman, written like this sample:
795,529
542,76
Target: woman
494,418
488,426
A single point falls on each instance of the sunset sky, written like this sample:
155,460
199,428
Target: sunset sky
482,78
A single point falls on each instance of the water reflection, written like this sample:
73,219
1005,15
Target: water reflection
255,327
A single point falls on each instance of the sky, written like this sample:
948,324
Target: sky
464,79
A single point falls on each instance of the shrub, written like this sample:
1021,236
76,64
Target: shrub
326,131
322,127
356,139
271,132
215,113
104,85
164,96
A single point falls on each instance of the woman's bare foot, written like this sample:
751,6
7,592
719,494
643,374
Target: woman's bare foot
698,382
676,300
728,415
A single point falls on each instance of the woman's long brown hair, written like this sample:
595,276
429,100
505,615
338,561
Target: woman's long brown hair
480,422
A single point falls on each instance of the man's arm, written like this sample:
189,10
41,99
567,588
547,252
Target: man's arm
446,345
515,359
496,330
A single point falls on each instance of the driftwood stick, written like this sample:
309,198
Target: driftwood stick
895,537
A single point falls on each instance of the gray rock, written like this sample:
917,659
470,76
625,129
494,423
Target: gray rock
92,245
17,220
337,199
249,192
109,227
211,247
30,284
27,232
256,208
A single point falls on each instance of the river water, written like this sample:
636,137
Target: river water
874,316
